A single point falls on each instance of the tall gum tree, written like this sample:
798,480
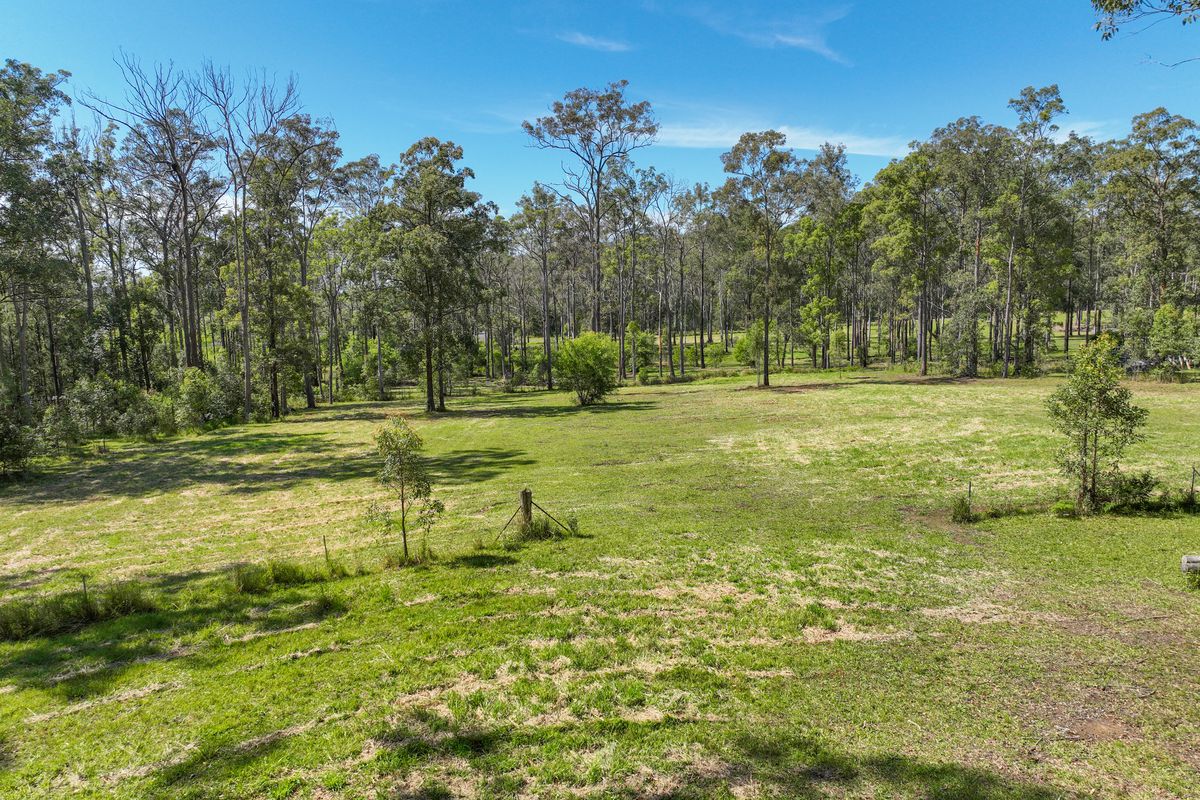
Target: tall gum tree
596,127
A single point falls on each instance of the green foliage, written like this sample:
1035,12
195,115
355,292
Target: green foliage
404,471
16,442
748,347
960,510
1096,416
262,578
201,403
587,366
1129,492
639,348
1174,341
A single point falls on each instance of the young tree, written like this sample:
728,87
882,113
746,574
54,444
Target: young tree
403,469
1095,414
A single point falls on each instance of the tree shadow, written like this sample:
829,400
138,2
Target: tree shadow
89,660
788,765
232,462
818,386
544,412
469,466
481,561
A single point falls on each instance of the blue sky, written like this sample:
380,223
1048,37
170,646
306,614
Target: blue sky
872,74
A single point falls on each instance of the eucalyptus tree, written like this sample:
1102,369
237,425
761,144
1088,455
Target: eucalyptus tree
1154,182
29,98
768,179
164,115
248,116
969,157
537,228
435,228
828,187
596,127
912,237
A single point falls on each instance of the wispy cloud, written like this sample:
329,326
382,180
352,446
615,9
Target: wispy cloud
803,32
1096,129
593,42
720,135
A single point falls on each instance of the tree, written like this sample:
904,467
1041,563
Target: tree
537,226
587,365
1114,13
404,469
1094,412
597,127
767,179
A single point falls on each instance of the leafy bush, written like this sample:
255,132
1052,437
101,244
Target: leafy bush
960,511
1130,491
201,403
59,428
749,347
16,443
587,365
140,417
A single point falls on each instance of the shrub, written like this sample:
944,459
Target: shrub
1098,420
587,365
16,443
140,417
60,428
749,347
1130,491
960,510
198,401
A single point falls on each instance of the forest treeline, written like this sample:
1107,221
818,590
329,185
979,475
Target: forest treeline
201,250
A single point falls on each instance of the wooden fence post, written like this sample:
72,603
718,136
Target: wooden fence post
526,508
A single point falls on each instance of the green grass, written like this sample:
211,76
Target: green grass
766,597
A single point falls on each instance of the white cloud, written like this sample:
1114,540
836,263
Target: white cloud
1096,129
802,32
722,135
593,42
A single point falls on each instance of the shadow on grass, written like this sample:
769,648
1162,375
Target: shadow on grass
481,561
793,766
514,411
89,661
819,386
234,461
469,466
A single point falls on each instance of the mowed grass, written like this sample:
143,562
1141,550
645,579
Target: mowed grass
767,599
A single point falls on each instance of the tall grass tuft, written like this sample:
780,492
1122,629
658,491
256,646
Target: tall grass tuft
50,614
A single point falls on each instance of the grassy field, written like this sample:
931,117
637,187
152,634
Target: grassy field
766,599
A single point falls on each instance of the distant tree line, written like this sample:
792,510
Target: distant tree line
202,252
